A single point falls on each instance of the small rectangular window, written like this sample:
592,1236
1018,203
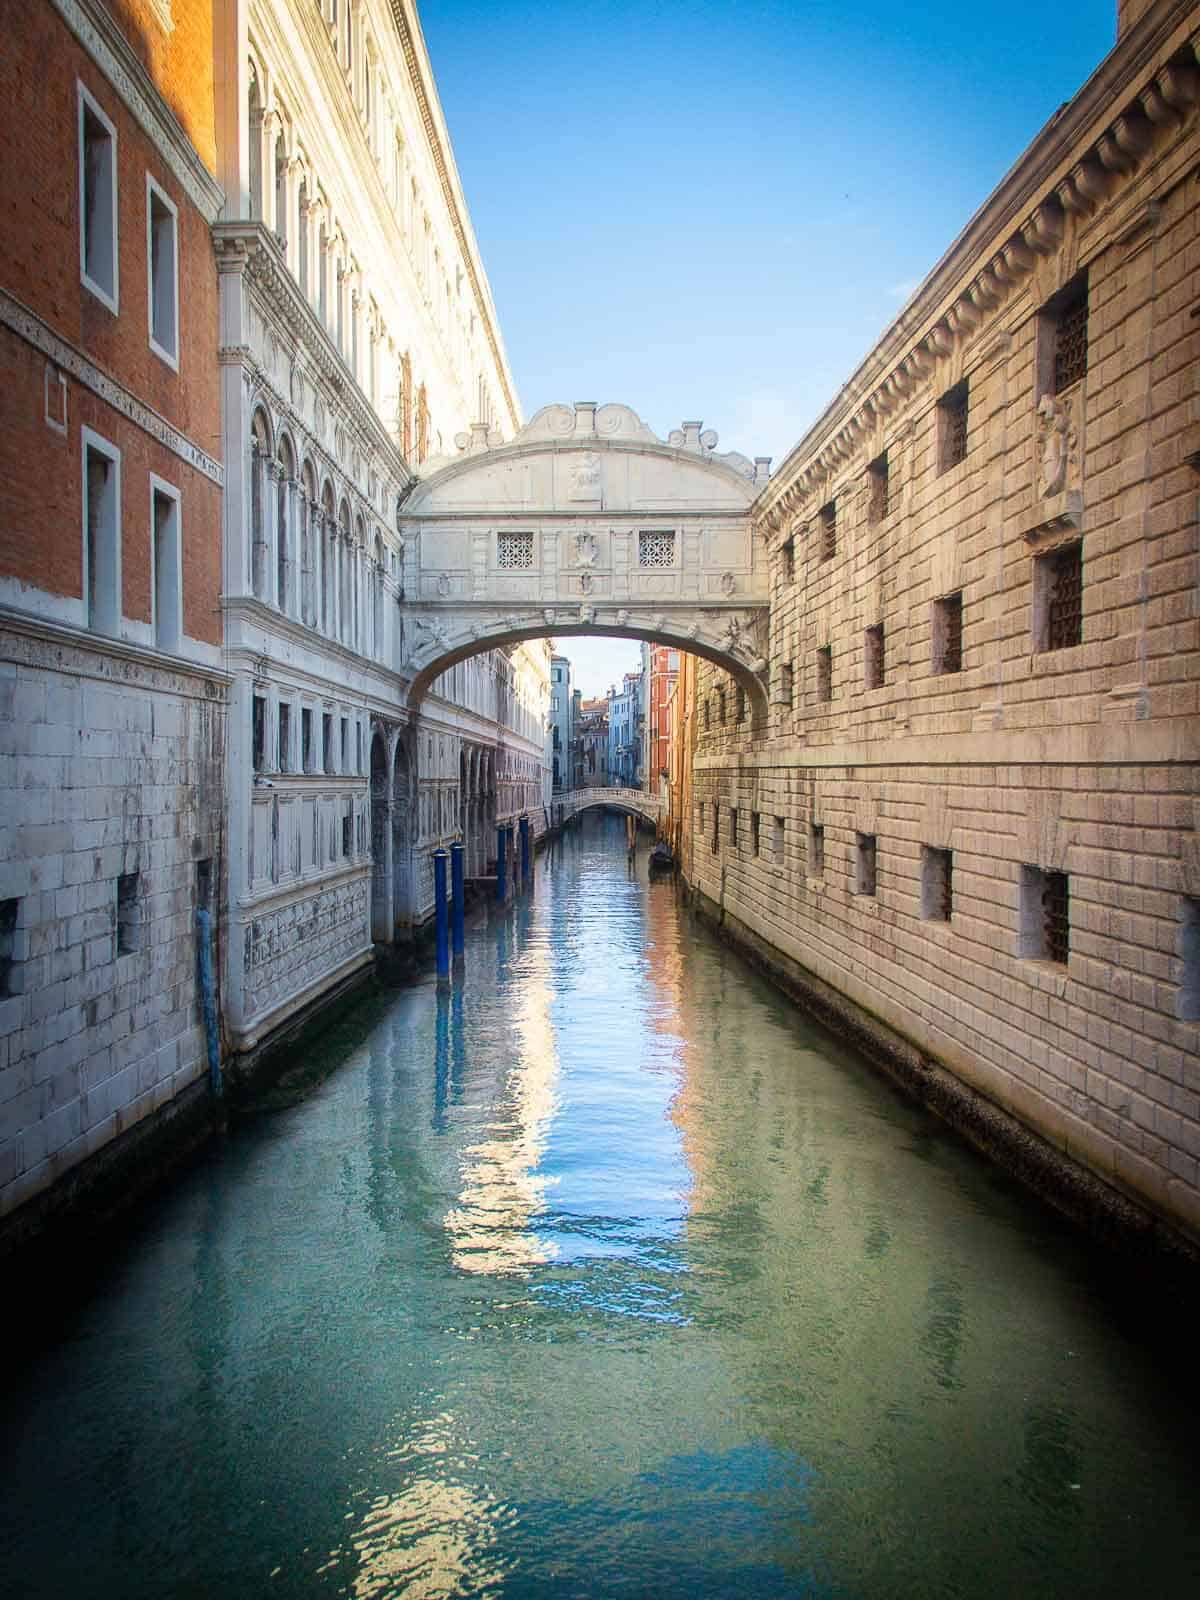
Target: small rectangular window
327,741
866,874
259,733
162,264
98,257
656,548
128,914
788,560
778,839
952,427
716,831
824,674
755,822
168,577
877,476
947,634
828,521
873,658
306,729
346,827
937,884
722,708
741,704
733,828
345,767
1045,915
816,849
786,684
101,533
514,551
9,911
285,737
1058,598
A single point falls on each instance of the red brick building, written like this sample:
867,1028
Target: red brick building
662,671
111,690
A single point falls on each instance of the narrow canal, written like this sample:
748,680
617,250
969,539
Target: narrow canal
607,1275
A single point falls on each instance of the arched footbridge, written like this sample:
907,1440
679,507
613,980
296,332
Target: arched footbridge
634,802
586,523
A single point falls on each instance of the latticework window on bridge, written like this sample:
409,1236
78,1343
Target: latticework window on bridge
656,549
514,551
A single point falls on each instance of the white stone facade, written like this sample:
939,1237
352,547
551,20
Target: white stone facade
344,224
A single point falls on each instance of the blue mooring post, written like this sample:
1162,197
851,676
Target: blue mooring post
524,849
501,866
456,897
439,894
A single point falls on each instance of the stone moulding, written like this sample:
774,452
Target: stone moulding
29,326
1035,203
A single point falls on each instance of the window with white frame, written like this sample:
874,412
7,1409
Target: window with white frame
101,533
97,202
168,564
162,272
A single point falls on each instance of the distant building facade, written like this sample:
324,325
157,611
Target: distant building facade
591,766
624,732
660,668
562,723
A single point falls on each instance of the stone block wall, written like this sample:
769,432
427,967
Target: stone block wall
111,791
1047,763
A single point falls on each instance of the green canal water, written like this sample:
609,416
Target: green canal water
608,1274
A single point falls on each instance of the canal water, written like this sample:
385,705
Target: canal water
606,1275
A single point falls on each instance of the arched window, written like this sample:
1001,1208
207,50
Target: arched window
422,425
344,573
356,556
302,238
377,600
308,554
254,123
260,456
328,547
283,525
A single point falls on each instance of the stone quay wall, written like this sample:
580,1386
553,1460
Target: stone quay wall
972,814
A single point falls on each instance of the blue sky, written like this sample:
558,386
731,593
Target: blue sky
712,210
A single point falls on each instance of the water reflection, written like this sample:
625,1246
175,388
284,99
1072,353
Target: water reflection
603,1274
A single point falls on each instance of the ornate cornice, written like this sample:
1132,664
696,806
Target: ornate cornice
443,164
1033,205
109,49
29,326
249,250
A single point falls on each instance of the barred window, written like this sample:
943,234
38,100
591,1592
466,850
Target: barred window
873,658
877,476
514,551
1045,915
1071,336
937,884
741,704
947,633
733,828
656,549
825,674
1058,598
866,874
816,849
828,518
952,427
755,823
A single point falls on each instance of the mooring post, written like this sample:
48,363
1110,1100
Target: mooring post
440,858
525,850
456,897
501,865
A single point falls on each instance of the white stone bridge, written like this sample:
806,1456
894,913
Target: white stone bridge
634,802
586,523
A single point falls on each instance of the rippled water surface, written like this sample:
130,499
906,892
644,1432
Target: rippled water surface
606,1275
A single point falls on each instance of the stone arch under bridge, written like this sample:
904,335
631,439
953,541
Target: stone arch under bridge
587,523
632,802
